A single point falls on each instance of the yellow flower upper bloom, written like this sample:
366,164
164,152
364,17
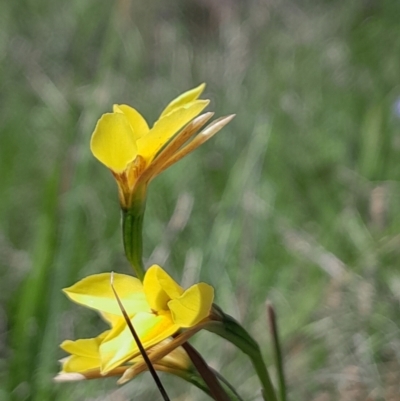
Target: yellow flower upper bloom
135,153
157,308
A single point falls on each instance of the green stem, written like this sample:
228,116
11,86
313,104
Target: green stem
132,231
232,331
230,390
193,377
278,351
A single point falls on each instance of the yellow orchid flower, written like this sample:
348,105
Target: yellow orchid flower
135,153
157,308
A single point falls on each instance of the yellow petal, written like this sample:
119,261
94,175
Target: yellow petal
79,364
84,354
95,292
193,306
88,347
113,142
177,358
138,123
160,288
183,99
120,346
166,127
111,319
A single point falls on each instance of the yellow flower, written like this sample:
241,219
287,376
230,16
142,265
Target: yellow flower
157,308
135,153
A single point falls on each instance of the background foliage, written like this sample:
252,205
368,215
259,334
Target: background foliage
296,201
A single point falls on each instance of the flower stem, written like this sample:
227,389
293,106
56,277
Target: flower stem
230,390
232,331
132,227
193,377
278,351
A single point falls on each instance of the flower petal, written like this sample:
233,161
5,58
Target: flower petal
84,354
177,358
95,292
166,127
84,347
111,319
79,364
160,288
113,141
136,120
193,306
183,99
120,346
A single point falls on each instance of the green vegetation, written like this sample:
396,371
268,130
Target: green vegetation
296,201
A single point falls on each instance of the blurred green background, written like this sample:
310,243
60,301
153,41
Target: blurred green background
296,201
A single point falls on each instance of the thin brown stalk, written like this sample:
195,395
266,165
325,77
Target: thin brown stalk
139,344
216,390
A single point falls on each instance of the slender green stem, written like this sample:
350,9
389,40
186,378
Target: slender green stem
132,237
262,372
230,390
232,331
278,351
193,377
132,227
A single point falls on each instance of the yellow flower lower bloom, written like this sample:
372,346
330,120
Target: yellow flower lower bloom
157,308
135,153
